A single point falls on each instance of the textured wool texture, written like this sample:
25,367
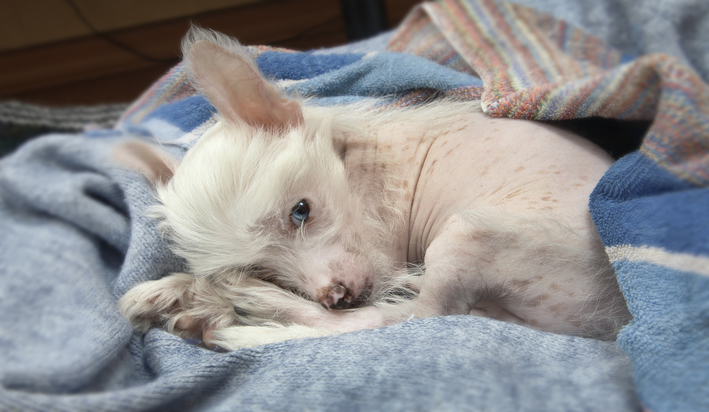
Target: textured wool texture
74,235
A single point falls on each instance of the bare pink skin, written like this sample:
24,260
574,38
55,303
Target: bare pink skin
484,162
525,169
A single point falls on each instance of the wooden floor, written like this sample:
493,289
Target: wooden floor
117,66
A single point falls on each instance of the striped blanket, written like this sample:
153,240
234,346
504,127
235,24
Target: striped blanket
75,236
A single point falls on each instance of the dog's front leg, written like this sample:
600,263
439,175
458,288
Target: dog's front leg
268,314
455,281
306,322
258,302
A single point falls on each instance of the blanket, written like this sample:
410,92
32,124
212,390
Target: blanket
74,235
20,122
651,207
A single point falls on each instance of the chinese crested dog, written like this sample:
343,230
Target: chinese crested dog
301,221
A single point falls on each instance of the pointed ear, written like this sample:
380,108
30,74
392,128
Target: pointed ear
153,163
233,84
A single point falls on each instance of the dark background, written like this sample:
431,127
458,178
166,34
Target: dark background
77,52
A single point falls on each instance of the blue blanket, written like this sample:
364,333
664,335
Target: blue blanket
74,237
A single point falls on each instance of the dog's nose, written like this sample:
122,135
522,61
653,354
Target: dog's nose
338,297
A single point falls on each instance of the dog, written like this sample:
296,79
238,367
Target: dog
299,220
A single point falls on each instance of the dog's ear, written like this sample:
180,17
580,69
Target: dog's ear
155,164
233,84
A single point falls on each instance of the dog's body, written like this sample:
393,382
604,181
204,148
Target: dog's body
300,220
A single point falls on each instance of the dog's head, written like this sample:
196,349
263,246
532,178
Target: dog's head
266,188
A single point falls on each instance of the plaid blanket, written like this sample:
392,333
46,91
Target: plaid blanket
75,236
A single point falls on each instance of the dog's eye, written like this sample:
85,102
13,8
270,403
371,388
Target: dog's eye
300,213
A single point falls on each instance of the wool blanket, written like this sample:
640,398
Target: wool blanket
74,235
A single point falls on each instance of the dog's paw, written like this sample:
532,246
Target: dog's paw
185,305
154,302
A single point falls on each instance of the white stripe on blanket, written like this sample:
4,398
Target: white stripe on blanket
684,262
